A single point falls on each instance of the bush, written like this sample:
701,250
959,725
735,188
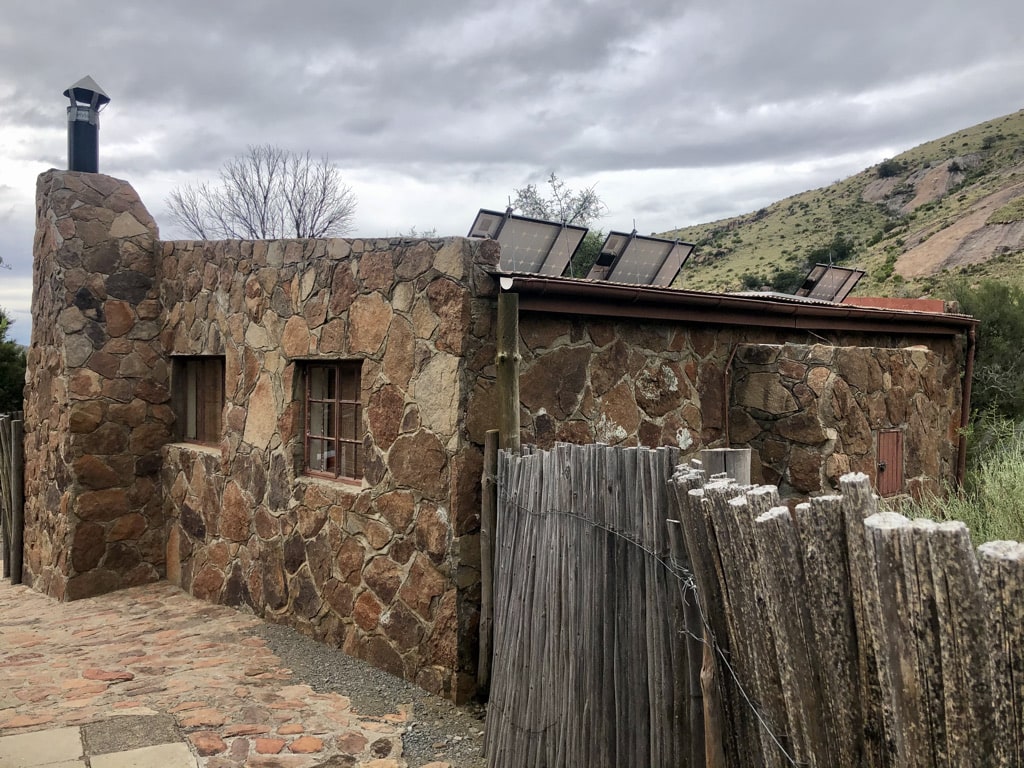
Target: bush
752,282
586,254
788,280
835,252
991,502
889,168
999,366
12,370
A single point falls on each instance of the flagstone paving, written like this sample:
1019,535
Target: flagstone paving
155,652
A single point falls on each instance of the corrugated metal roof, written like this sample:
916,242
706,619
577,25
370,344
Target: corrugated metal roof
752,308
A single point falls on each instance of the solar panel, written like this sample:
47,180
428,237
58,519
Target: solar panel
529,245
828,283
487,224
641,260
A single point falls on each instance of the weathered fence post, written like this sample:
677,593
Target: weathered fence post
488,526
1002,583
829,598
17,499
12,496
507,364
859,502
6,507
732,462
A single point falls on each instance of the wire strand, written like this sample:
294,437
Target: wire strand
688,583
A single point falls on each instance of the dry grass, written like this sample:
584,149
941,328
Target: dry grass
992,503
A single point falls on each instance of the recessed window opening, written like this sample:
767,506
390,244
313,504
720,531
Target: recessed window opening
201,398
334,420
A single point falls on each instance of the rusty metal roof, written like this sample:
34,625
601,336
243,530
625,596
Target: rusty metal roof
756,309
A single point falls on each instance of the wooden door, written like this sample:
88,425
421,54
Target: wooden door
890,462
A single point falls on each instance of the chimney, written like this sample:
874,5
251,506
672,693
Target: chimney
87,98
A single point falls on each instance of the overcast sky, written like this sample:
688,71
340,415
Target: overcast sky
679,112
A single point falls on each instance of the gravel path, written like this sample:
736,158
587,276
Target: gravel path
437,729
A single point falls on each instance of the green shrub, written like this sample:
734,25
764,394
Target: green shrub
752,282
999,365
586,254
890,167
12,370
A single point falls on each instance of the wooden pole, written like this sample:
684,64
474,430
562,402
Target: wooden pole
17,500
6,512
507,361
488,527
734,462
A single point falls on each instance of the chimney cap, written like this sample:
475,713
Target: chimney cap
87,91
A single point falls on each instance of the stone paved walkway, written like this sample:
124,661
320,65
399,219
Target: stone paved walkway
154,651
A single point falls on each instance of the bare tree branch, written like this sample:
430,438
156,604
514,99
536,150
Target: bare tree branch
267,193
564,204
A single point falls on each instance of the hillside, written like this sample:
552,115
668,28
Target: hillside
950,206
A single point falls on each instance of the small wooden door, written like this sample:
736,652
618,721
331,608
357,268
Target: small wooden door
890,462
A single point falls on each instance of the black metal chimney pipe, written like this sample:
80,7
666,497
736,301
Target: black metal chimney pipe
87,98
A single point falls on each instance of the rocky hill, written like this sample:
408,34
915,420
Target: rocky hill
952,206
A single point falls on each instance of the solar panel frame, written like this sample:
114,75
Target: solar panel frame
674,262
640,261
827,282
622,251
528,244
487,224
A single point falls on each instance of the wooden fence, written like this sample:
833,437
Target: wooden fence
12,500
857,636
834,634
589,668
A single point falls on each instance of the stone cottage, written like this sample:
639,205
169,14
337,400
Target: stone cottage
296,427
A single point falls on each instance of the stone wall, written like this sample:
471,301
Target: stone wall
96,409
585,380
642,383
812,413
387,569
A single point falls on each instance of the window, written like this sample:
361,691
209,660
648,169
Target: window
199,397
334,420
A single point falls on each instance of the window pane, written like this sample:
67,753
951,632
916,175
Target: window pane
321,383
317,455
321,419
350,427
191,404
211,398
351,460
350,382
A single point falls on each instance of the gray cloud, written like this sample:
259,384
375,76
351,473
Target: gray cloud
483,96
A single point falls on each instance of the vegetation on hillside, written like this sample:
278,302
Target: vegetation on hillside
953,188
12,370
944,219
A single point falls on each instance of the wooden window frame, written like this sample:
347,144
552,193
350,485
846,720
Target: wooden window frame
339,430
200,398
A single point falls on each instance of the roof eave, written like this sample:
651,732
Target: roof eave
587,297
